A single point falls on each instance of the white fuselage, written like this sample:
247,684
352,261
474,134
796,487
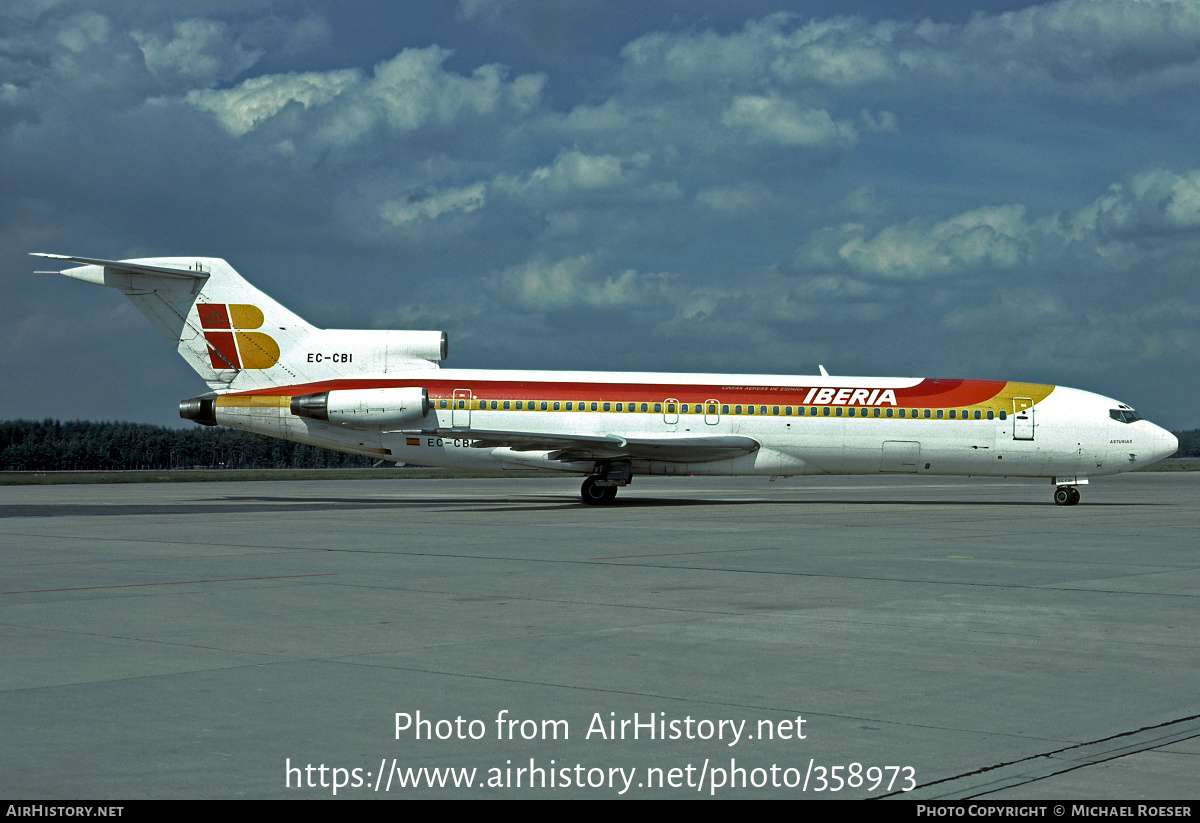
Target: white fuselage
1061,434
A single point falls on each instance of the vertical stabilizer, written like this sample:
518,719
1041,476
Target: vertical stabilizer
239,339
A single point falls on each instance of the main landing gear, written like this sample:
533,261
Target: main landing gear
601,488
1066,496
594,494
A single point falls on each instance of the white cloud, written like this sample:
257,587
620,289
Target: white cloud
406,93
83,31
1105,46
775,120
201,51
246,105
1109,230
574,281
1154,202
572,170
994,236
429,206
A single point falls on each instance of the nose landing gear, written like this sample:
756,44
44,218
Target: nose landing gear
1066,496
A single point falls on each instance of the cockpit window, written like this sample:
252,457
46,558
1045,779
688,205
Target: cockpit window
1123,415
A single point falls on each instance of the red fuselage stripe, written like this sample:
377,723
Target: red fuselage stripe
929,393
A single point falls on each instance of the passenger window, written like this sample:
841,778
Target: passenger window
902,412
839,411
556,405
737,409
812,412
619,407
1003,415
762,409
657,408
953,414
978,414
506,405
712,408
991,414
670,408
800,410
825,411
724,409
645,407
544,405
927,414
594,407
889,412
877,412
850,412
774,410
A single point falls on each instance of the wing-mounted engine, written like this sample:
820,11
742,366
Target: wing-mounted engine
397,407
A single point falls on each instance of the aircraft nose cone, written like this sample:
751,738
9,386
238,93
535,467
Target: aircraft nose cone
1169,444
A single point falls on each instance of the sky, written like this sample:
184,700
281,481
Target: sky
995,190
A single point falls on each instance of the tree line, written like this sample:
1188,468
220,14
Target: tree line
51,445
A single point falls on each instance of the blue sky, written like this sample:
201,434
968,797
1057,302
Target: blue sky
994,190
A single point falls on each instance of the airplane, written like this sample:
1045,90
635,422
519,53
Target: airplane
383,394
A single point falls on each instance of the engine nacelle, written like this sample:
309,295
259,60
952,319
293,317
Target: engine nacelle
201,409
371,407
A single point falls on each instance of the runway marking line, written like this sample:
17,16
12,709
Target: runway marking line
175,583
682,554
981,536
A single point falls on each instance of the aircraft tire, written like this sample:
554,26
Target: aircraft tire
594,495
1063,496
1074,496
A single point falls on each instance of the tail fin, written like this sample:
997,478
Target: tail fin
239,339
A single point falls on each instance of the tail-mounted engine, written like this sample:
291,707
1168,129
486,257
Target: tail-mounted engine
373,407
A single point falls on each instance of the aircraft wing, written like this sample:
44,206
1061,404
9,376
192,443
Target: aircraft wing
686,448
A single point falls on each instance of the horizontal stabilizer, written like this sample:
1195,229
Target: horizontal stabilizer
124,265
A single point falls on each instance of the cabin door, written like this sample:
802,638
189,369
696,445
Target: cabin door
460,416
712,412
1023,418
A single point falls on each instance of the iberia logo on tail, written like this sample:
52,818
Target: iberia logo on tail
232,343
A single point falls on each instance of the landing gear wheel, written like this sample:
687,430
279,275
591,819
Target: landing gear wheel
1066,496
596,495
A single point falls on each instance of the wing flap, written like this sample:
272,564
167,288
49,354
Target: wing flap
681,448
